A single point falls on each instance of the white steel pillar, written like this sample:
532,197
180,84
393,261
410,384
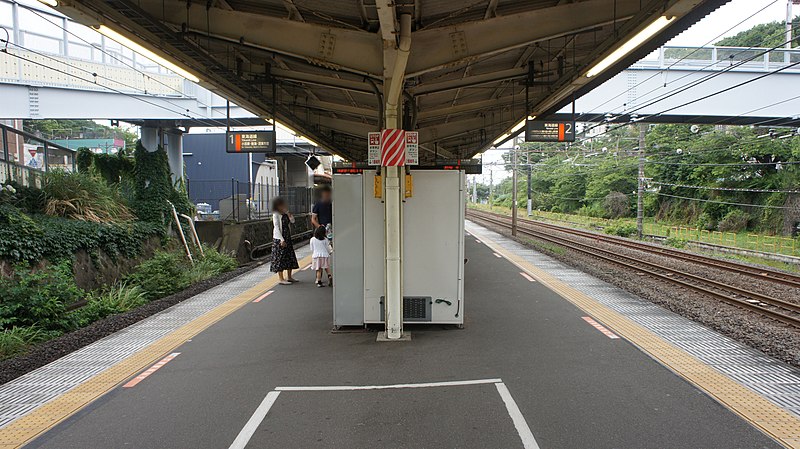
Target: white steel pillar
396,51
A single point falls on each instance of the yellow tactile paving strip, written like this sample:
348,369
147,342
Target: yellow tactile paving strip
28,427
754,408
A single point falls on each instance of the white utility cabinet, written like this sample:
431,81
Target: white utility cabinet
433,249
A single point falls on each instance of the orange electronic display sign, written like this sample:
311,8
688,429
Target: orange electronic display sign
545,131
250,142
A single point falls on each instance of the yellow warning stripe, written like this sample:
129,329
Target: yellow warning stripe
62,407
754,408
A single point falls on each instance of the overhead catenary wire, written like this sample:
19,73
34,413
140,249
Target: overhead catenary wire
724,189
134,96
116,58
732,164
762,206
691,85
180,111
690,54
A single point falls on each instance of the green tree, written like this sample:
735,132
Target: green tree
770,34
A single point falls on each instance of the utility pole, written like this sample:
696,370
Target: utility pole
530,198
514,190
475,189
789,22
640,190
491,189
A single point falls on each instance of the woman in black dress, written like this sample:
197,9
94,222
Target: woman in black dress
283,256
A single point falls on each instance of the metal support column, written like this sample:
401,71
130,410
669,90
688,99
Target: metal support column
395,61
6,155
46,157
640,190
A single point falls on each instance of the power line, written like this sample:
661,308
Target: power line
105,87
695,84
123,62
721,202
688,55
110,80
703,164
726,189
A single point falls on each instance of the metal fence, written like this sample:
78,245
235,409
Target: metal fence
717,58
234,200
25,157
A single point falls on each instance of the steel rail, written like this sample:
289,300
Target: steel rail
734,267
756,272
636,265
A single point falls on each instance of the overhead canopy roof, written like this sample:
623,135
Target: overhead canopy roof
466,74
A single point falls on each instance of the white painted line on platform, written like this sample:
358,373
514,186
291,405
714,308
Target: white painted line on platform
264,296
524,432
252,424
527,276
600,327
306,267
497,255
390,387
478,241
144,375
528,441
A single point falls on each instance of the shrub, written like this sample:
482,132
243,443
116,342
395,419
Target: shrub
675,242
621,229
119,298
162,275
213,264
27,199
31,238
38,297
617,205
16,340
81,196
170,272
706,221
20,236
734,221
595,211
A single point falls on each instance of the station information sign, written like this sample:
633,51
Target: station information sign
374,148
549,131
250,142
468,166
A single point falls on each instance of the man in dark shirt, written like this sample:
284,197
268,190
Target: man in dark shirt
322,212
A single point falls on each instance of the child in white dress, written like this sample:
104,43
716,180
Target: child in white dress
320,255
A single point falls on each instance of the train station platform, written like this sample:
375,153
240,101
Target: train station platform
549,358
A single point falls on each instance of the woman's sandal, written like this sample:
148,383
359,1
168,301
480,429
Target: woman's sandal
284,282
292,280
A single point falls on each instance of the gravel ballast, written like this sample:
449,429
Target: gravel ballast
764,334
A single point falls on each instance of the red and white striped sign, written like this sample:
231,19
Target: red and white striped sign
393,147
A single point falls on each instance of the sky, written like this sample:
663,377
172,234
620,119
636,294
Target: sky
710,29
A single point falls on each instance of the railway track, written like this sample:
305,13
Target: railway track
777,309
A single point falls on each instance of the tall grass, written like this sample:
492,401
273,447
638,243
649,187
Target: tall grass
117,299
17,339
81,196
